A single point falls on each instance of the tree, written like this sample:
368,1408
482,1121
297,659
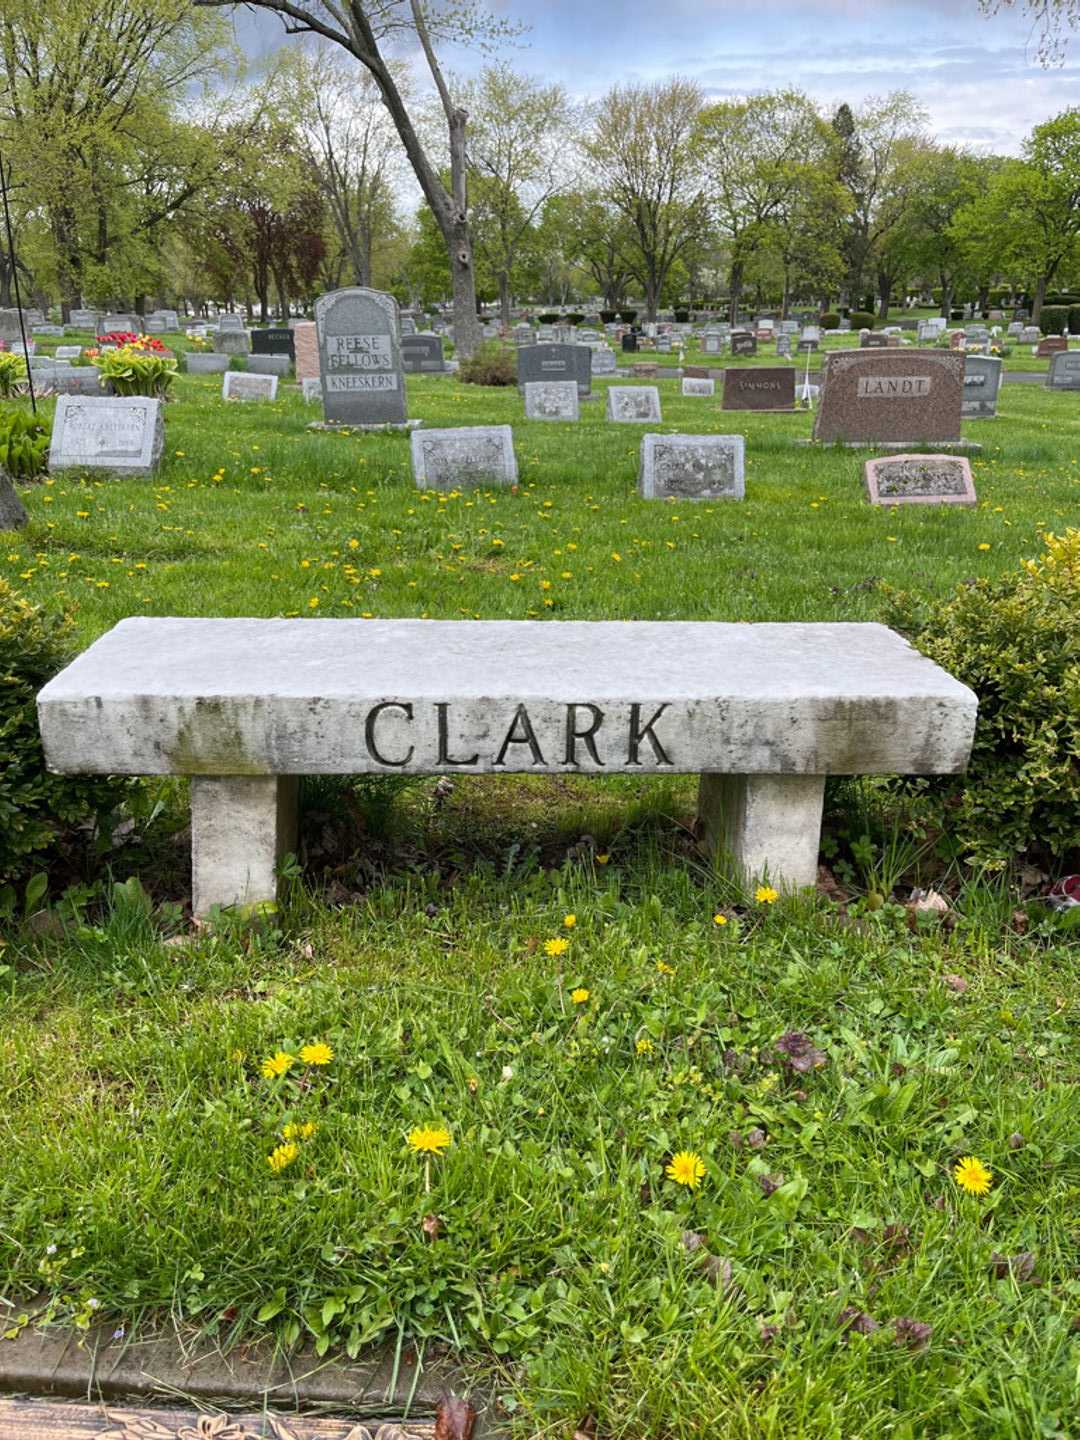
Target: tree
945,180
364,28
642,153
1053,19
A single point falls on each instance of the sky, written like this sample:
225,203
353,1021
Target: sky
978,77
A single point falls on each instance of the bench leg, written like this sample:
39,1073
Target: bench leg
241,826
769,825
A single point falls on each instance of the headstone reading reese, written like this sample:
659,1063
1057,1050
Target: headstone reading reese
634,404
454,459
901,398
556,362
920,480
982,380
360,358
692,467
1064,372
124,435
422,355
771,387
551,400
245,385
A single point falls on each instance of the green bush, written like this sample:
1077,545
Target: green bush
829,320
575,319
24,444
37,810
1016,643
608,317
1053,319
549,317
137,372
861,320
629,316
1074,319
12,372
490,365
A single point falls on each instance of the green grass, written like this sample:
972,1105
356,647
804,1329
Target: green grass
136,1122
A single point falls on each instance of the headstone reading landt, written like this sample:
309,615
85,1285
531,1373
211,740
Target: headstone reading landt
360,358
121,434
900,397
692,467
468,455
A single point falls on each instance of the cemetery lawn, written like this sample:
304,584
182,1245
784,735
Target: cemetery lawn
548,971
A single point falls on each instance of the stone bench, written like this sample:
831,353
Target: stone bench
762,712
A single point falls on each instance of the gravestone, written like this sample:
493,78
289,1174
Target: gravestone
306,350
85,319
645,372
634,404
123,323
1064,372
69,380
246,385
153,326
712,344
811,332
771,387
556,362
873,340
982,380
67,352
468,455
629,343
121,434
360,357
232,342
551,400
900,398
692,386
603,362
697,372
663,344
13,514
976,332
919,480
228,321
743,344
268,365
1014,329
692,467
311,389
56,331
807,347
522,335
422,355
408,327
783,347
1030,335
272,341
1051,345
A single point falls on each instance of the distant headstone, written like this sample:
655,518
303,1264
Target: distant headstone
1064,372
69,380
783,347
85,319
873,340
982,380
311,389
268,364
422,355
360,357
67,352
556,362
712,344
1051,345
121,434
458,458
696,372
117,322
54,330
691,386
629,343
634,404
13,514
228,321
306,350
743,344
551,400
807,347
273,341
905,397
919,480
1030,335
692,467
603,361
232,342
811,332
246,385
771,387
645,372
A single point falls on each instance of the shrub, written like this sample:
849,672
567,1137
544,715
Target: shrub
608,317
37,809
491,365
862,320
628,315
134,371
549,317
1053,319
829,320
1016,642
12,372
956,313
24,444
682,317
574,319
1074,319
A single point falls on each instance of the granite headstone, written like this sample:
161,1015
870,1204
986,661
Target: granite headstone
772,387
120,434
360,357
455,459
905,397
692,467
919,480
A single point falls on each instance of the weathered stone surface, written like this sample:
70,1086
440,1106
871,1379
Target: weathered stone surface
982,381
634,404
277,364
232,341
603,361
85,319
454,459
202,362
67,352
360,357
874,340
712,344
244,385
70,380
306,350
1064,372
770,387
920,480
902,398
692,467
118,321
422,355
22,1419
13,514
311,388
693,386
551,400
121,434
556,362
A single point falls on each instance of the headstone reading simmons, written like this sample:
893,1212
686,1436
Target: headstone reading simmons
422,355
1064,372
551,400
468,455
360,357
121,434
982,380
770,387
246,385
920,480
692,467
634,404
898,398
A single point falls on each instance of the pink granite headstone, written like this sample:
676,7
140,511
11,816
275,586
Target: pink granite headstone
919,480
306,344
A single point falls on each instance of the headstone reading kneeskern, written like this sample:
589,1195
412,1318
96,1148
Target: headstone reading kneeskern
898,398
634,404
360,358
244,385
121,434
692,467
551,400
920,480
455,459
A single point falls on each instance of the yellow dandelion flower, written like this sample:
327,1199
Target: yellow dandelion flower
972,1175
580,995
602,859
686,1168
984,546
643,1045
299,1131
765,895
719,919
663,968
317,1054
569,921
428,1140
283,1155
275,1065
556,946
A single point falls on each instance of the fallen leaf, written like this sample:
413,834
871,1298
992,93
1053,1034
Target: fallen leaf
800,1052
454,1419
1017,1141
431,1226
1021,1267
956,983
915,1334
770,1183
857,1321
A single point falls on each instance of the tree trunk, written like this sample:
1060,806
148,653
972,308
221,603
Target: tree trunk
504,299
735,283
884,293
1040,296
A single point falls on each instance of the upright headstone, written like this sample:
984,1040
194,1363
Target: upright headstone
712,344
743,343
692,467
268,364
71,380
692,386
247,385
919,480
468,455
311,389
306,350
1051,345
121,434
422,355
1030,335
783,347
272,341
360,358
634,404
1064,372
232,341
551,400
85,319
67,352
603,361
982,380
117,322
771,387
873,340
900,398
556,362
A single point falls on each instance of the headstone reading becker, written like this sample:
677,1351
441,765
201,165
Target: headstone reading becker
360,358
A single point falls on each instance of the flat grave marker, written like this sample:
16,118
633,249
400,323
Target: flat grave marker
692,386
692,467
551,400
123,435
247,385
634,404
920,480
467,455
